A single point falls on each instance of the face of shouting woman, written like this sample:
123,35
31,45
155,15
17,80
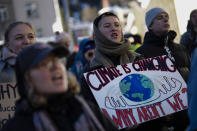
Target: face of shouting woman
49,76
111,28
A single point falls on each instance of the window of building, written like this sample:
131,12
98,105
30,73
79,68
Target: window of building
32,10
3,14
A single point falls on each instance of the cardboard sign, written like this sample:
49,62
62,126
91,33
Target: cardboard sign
8,97
137,92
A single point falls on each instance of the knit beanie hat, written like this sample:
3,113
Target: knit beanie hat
151,14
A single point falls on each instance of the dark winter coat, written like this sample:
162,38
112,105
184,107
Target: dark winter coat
154,46
69,117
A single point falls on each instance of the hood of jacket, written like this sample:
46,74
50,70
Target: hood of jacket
106,49
80,54
8,56
7,62
190,31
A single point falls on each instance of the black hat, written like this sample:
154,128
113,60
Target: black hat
30,57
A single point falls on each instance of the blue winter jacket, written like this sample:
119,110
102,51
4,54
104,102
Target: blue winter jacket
192,93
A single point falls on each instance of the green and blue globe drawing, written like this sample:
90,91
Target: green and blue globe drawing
137,87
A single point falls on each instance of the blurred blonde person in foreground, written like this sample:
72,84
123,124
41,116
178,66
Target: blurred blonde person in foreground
49,99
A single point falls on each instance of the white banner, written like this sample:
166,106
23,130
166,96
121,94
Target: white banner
137,92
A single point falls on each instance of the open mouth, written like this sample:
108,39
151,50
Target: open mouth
114,35
57,77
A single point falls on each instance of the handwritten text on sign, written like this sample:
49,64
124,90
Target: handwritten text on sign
137,92
8,96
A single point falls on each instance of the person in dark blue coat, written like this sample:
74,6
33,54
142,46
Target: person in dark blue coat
192,90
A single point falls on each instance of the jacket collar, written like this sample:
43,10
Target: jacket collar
151,38
8,56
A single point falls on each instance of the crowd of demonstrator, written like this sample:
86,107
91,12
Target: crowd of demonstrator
53,93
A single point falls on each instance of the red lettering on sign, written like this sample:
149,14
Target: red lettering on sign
125,115
177,104
126,68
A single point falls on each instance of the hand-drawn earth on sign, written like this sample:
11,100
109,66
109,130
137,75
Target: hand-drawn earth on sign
138,92
137,87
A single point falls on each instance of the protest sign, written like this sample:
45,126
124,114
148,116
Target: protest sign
137,92
8,97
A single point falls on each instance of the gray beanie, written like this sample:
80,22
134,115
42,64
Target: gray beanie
151,14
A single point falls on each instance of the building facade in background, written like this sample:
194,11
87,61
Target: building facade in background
43,14
6,15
